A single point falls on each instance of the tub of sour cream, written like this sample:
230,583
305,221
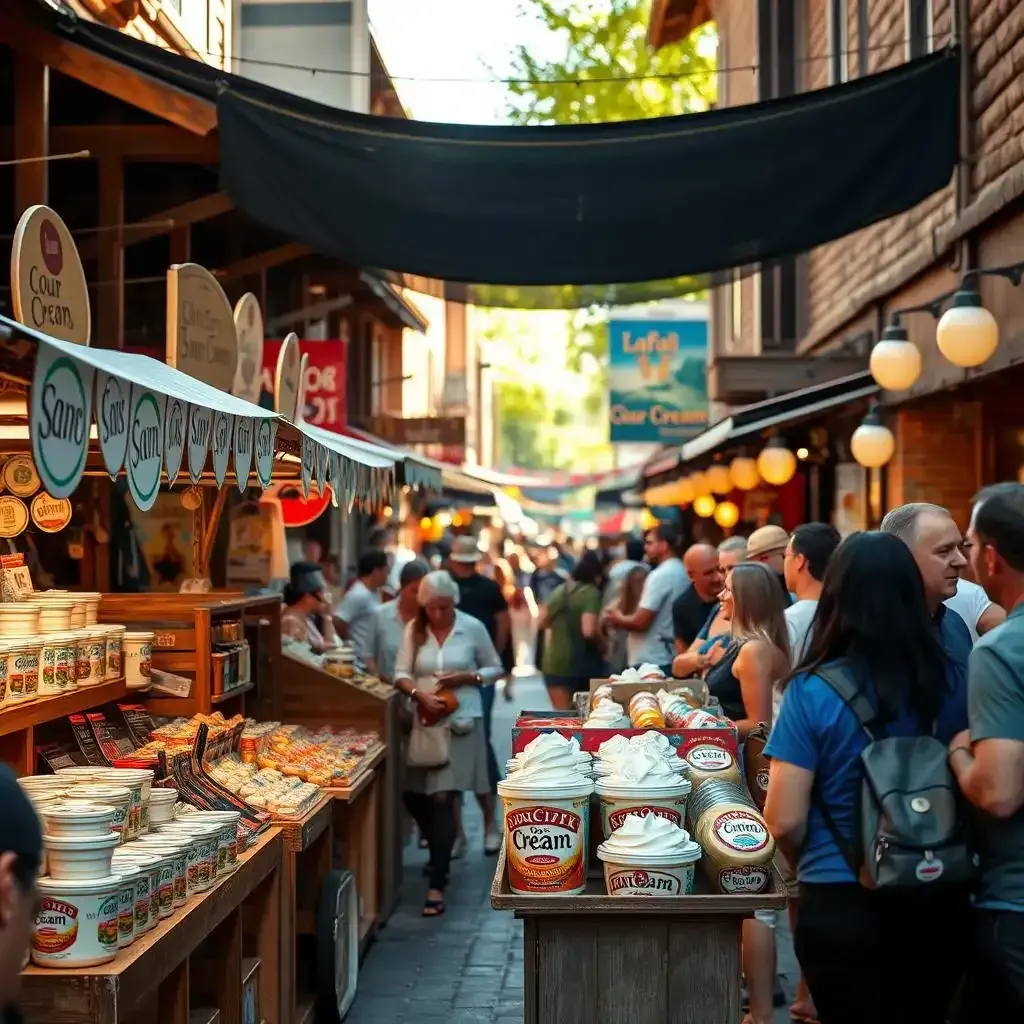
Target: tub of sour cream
76,922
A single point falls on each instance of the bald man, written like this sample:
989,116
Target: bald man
691,608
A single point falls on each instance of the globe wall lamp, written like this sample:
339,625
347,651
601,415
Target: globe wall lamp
743,471
704,505
727,515
776,463
967,334
872,443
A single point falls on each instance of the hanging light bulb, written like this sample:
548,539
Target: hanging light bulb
967,334
872,443
776,463
895,360
686,493
727,515
743,471
718,479
704,505
698,482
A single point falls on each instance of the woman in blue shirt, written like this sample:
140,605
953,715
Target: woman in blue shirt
892,956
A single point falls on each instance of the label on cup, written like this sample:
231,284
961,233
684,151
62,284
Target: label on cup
546,846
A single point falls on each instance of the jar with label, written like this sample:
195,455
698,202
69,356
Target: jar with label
138,659
738,848
114,637
5,659
91,603
340,661
92,656
76,921
58,664
23,672
710,762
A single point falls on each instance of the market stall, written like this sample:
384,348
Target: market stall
633,857
173,690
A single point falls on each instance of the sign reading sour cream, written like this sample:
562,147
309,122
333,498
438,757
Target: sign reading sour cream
244,431
201,336
175,420
145,446
200,430
223,429
266,435
60,411
48,289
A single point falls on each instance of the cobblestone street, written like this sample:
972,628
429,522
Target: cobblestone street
466,967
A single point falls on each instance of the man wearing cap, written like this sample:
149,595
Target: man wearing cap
21,853
767,544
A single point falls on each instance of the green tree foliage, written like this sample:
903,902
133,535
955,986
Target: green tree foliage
524,420
605,43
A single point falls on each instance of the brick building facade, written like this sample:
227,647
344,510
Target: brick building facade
955,429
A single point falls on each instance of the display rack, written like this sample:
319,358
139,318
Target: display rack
367,824
195,964
599,959
183,626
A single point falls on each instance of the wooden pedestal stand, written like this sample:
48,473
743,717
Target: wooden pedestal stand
597,959
195,963
307,859
306,695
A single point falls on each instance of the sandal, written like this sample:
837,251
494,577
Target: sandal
433,908
800,1016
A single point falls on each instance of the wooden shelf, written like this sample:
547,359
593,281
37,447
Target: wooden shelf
46,709
221,698
300,834
111,991
346,794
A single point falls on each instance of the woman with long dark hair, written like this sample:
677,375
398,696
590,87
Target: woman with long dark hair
573,651
870,956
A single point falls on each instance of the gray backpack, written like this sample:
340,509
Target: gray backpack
908,830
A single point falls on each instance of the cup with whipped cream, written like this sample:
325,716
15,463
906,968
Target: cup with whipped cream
584,761
642,785
649,856
650,742
607,714
547,807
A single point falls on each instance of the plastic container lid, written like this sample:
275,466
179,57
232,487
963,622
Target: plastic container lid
104,842
143,635
140,858
101,793
163,796
80,811
201,829
81,772
79,886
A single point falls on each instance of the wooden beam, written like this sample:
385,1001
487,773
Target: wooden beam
31,121
162,143
316,311
164,222
108,330
263,261
190,112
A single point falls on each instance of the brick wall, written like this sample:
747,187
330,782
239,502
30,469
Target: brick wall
938,455
852,264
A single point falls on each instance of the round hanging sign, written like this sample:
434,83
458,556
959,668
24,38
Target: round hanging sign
223,429
244,431
60,411
201,337
20,476
112,396
200,429
287,377
266,435
175,420
145,457
48,289
51,515
13,516
249,327
309,460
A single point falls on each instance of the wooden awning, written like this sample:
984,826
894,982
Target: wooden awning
672,20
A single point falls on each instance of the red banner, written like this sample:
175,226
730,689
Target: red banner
326,394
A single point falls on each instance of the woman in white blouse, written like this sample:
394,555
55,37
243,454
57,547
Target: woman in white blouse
444,647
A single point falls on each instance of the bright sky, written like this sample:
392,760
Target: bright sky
454,39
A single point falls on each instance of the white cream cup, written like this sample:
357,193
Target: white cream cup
76,922
227,840
80,857
546,836
78,818
118,797
129,876
147,908
650,874
618,801
177,849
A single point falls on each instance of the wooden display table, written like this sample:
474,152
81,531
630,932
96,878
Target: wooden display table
597,959
306,862
196,962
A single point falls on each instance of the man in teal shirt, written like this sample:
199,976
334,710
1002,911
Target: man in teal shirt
988,758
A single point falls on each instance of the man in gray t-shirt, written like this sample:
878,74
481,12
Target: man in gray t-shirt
988,758
355,611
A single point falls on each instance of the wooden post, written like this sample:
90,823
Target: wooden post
31,131
109,325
